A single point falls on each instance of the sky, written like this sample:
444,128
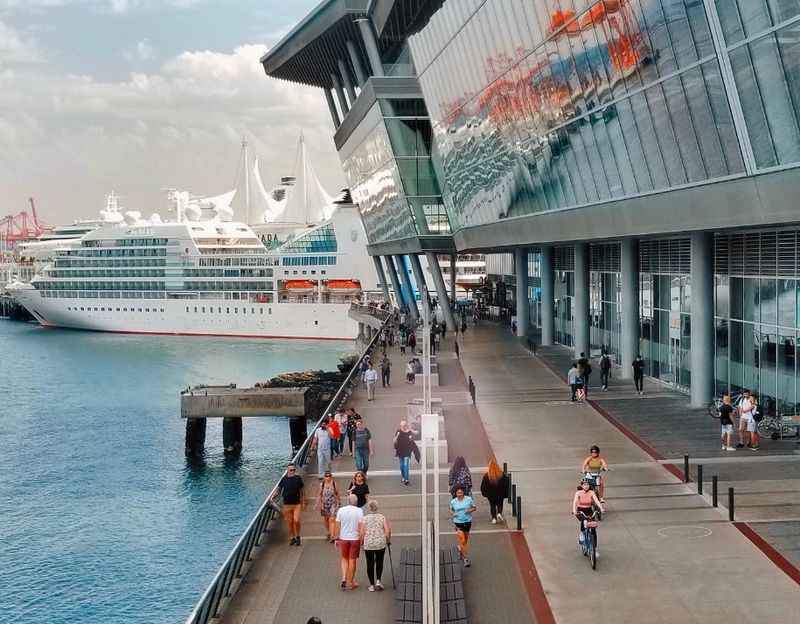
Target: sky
137,96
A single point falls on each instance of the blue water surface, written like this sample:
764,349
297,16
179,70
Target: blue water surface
102,519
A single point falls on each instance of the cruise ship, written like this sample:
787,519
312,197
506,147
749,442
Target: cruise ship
207,277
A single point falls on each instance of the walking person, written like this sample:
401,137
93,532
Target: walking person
638,373
460,476
362,446
334,432
494,488
371,379
757,416
322,440
328,503
461,508
341,418
348,538
434,332
358,486
726,422
293,496
412,341
351,428
747,423
376,535
572,380
585,368
405,446
444,330
605,369
410,374
403,340
386,371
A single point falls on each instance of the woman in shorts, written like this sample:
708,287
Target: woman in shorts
462,507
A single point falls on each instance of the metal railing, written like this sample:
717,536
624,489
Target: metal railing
233,568
372,310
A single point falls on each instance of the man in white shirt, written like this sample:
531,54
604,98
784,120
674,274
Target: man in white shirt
747,423
348,539
371,379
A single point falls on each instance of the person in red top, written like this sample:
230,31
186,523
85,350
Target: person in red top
335,433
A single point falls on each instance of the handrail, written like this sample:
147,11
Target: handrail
208,606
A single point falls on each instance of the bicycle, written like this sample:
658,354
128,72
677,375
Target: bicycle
716,403
588,545
774,426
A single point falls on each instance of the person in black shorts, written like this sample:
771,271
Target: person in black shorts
726,422
291,487
462,507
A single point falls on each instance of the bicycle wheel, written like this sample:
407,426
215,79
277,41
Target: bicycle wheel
592,550
712,409
765,427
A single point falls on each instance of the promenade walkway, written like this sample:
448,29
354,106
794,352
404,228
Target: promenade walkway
287,585
666,554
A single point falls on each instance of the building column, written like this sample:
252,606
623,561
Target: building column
381,278
453,281
337,87
332,108
548,300
371,45
398,292
411,303
355,59
422,285
580,321
702,306
348,84
441,289
523,309
629,313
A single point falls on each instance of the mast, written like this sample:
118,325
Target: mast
304,165
246,181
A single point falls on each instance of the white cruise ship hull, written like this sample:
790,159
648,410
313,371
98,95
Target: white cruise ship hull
182,317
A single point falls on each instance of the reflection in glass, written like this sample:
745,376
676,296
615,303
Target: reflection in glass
787,303
721,354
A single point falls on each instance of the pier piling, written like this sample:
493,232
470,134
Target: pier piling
195,436
232,435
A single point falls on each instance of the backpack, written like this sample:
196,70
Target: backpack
759,415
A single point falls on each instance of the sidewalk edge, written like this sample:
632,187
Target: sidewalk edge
542,612
771,553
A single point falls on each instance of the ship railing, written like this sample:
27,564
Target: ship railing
372,310
228,577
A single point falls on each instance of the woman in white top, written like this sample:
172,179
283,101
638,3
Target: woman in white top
376,535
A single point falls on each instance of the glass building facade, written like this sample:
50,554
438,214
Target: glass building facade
540,105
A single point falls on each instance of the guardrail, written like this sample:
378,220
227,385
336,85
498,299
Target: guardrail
372,310
233,568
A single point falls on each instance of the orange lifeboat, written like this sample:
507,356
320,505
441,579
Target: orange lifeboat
344,287
300,286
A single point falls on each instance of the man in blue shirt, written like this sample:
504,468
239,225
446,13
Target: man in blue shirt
462,507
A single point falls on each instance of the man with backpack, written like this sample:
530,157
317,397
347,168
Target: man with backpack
605,369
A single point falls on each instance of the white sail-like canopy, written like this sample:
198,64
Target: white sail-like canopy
274,207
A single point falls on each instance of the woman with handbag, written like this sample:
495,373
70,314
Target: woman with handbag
376,535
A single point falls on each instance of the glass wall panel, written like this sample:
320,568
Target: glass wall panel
768,301
787,302
736,370
750,307
722,296
745,18
767,361
721,354
787,381
750,353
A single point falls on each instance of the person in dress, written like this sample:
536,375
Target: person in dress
328,503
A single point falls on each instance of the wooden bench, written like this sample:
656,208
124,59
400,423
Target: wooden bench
408,597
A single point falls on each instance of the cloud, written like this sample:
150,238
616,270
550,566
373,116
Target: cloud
142,51
14,48
177,126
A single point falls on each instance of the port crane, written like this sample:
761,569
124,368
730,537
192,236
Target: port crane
21,227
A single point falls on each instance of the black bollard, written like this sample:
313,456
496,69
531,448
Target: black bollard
730,504
510,482
505,468
714,483
686,478
514,500
699,478
519,513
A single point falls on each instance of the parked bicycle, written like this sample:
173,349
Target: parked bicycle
716,403
775,426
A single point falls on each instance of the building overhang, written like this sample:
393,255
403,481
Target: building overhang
395,20
766,199
413,245
308,54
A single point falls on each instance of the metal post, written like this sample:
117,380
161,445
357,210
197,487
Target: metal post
548,304
519,513
371,46
714,484
441,289
730,504
510,488
514,499
686,477
355,59
699,478
505,468
522,305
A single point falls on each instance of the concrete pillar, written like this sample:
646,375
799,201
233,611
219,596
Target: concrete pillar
398,292
702,306
337,87
523,309
410,302
548,297
580,321
232,435
381,277
629,313
298,432
441,290
332,108
422,286
195,436
355,59
371,45
453,280
348,84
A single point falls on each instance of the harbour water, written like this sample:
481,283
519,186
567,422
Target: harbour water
102,519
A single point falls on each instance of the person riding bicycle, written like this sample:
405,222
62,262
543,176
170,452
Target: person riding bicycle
592,466
584,504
